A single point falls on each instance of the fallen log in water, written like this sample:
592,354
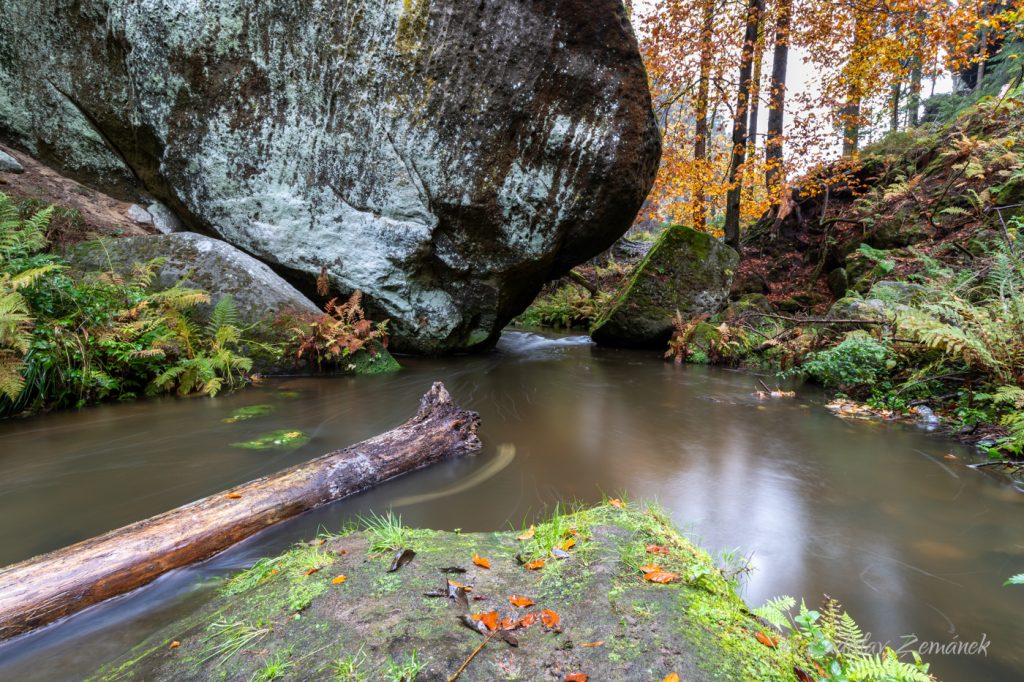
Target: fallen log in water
40,590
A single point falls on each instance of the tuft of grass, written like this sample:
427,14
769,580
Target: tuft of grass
386,532
274,668
347,668
227,638
251,577
403,671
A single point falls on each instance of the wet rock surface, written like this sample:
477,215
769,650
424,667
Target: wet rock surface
446,158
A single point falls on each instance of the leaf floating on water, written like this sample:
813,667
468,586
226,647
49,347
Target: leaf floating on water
245,413
550,619
577,677
521,602
650,568
453,569
661,576
767,640
339,580
282,438
402,557
233,496
590,644
489,619
671,677
534,565
660,550
480,561
528,533
617,503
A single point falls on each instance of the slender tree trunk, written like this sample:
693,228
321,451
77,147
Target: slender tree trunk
914,95
739,126
851,112
700,141
755,90
773,176
41,590
894,113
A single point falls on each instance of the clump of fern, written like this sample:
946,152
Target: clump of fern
327,341
700,341
69,340
564,307
836,644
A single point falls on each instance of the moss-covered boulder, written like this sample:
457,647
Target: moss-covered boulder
330,609
685,270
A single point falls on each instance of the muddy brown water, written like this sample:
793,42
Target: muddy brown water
915,545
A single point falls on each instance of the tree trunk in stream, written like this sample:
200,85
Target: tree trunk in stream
40,590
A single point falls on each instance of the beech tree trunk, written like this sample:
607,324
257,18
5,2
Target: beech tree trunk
42,589
773,176
700,138
739,126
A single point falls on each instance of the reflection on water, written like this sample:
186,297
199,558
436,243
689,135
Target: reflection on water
874,515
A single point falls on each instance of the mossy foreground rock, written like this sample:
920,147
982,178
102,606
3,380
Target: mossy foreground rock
296,614
685,270
445,157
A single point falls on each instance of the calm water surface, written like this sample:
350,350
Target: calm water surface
912,543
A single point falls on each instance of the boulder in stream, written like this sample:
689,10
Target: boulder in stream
446,158
685,270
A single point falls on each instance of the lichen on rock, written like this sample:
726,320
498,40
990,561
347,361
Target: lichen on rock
445,158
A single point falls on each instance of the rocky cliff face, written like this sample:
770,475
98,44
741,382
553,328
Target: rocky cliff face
446,157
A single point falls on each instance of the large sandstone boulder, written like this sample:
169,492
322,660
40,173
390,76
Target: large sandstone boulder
445,157
685,270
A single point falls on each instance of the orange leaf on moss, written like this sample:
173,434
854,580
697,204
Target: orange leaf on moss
568,544
577,677
671,677
661,576
660,550
616,502
467,588
490,619
549,618
534,565
527,534
521,602
480,561
339,580
650,568
527,620
767,640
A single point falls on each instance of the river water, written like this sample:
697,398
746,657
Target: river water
914,544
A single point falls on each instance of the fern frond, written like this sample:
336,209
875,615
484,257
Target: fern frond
776,611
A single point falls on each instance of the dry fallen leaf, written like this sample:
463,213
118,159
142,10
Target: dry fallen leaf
660,550
660,576
549,618
534,565
568,544
313,570
527,620
521,602
175,644
480,561
577,677
527,534
467,588
339,580
233,496
671,677
616,502
650,568
767,640
490,619
598,643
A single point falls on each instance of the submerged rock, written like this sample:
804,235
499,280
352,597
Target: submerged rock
685,270
446,158
335,601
